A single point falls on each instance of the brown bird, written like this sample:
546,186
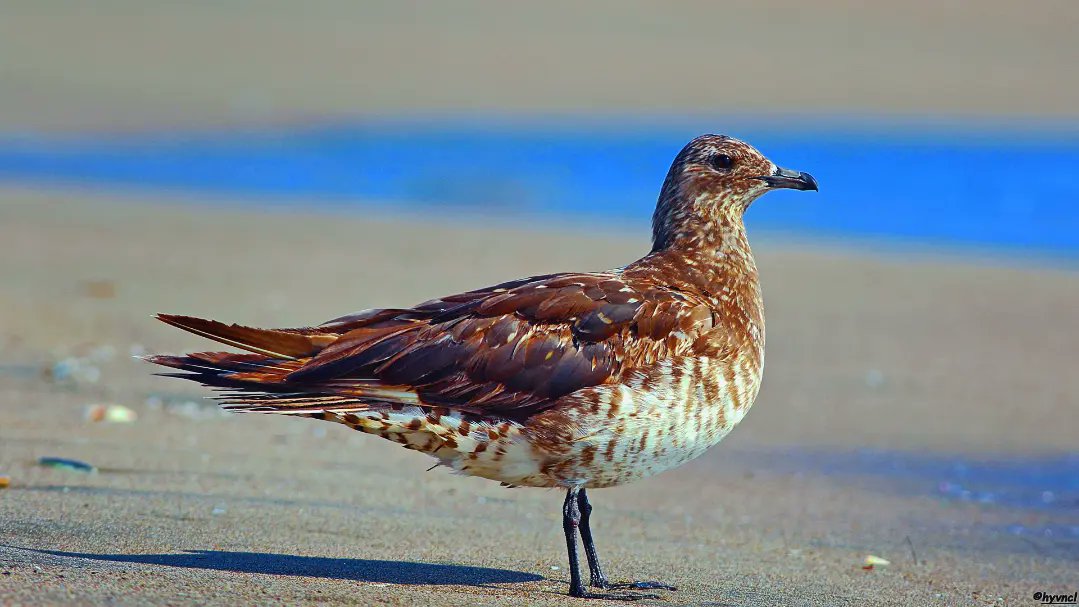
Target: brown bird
576,380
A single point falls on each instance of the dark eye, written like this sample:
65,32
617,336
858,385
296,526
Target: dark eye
722,162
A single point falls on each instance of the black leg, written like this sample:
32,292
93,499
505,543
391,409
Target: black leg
575,514
571,519
598,580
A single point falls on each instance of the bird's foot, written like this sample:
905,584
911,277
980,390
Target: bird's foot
613,596
603,584
621,596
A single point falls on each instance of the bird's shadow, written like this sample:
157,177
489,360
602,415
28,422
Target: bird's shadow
362,570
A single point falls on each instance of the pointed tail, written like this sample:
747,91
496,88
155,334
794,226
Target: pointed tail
272,354
275,343
258,380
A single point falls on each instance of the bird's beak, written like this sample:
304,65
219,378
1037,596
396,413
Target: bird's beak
795,180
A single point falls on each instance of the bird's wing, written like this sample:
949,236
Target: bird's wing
509,350
513,348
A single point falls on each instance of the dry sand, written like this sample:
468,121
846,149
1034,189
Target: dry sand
929,356
140,64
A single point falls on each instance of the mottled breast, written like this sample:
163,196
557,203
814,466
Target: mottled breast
651,422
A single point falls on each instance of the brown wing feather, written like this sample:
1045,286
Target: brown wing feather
511,349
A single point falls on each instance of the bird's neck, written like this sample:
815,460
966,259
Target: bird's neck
713,259
709,253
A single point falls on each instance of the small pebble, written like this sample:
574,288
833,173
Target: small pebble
5,482
62,463
113,414
872,560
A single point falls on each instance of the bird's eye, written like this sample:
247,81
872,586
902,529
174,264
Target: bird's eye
722,162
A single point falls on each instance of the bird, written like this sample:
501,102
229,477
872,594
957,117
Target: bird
574,381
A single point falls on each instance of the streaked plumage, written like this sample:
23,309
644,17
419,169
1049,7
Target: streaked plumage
575,380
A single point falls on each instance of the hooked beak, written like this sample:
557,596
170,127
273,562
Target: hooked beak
795,180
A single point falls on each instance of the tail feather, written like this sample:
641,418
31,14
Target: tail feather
223,361
275,343
229,370
252,382
264,378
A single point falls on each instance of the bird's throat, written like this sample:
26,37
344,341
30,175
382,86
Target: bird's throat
713,259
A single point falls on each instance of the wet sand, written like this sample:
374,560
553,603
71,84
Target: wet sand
916,406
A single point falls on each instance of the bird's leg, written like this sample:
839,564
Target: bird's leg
571,520
598,579
575,512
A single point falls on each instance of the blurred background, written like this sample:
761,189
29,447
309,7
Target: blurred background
281,163
950,125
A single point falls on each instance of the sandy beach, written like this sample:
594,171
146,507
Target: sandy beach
919,358
918,405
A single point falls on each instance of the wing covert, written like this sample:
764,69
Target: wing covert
512,348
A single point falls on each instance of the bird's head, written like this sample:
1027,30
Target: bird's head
714,179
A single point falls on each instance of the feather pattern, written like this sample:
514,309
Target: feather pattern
571,379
